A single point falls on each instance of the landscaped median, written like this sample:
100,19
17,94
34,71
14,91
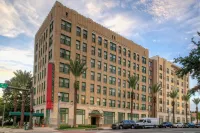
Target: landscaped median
80,127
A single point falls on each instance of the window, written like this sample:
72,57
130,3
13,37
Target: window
161,67
98,89
91,87
113,69
129,53
85,34
138,67
134,66
143,107
119,71
128,95
84,47
84,75
119,60
144,79
78,31
93,38
64,82
172,72
112,80
160,75
98,101
104,90
124,72
92,63
92,75
143,60
65,40
134,56
99,77
119,104
82,99
119,93
144,98
99,40
111,103
129,64
119,82
99,53
124,51
105,43
129,75
138,57
93,50
83,86
50,41
84,59
167,70
78,45
64,97
104,102
112,92
51,27
123,104
112,46
124,83
64,54
64,68
91,100
66,26
124,62
119,49
105,55
143,69
112,57
143,88
105,78
77,56
105,67
99,64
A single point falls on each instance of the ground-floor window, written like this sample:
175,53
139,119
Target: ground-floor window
109,117
64,115
47,116
143,115
121,116
178,119
80,116
135,116
160,119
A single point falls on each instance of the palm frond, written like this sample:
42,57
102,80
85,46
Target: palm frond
173,94
132,80
196,101
155,88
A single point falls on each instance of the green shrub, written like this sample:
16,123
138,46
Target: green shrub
64,126
87,126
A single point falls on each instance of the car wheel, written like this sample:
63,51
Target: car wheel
132,127
120,127
143,127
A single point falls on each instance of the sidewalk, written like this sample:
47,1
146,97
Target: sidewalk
35,130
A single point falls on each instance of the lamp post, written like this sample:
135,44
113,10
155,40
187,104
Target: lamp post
58,116
4,102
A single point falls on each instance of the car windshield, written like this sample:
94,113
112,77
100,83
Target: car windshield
140,120
164,123
132,121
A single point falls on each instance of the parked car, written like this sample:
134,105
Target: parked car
124,124
189,125
179,124
147,122
165,125
197,125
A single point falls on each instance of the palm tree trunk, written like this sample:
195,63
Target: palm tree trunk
15,108
197,114
154,107
76,86
132,105
22,110
173,111
186,112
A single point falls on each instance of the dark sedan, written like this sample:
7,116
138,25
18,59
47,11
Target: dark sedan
165,125
197,125
189,125
124,124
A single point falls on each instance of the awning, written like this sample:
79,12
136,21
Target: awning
26,114
95,113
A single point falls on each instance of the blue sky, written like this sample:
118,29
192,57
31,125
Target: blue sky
165,27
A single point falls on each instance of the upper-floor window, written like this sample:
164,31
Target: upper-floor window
99,53
64,97
64,54
78,45
65,40
78,31
66,26
134,56
161,67
105,55
143,60
51,27
64,68
99,40
93,50
168,70
84,47
124,51
85,34
129,53
138,57
119,49
93,38
105,43
112,46
112,57
64,82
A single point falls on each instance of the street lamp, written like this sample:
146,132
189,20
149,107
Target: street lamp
4,102
58,116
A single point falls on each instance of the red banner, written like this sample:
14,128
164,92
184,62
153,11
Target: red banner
49,103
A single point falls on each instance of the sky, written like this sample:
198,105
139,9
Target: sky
165,27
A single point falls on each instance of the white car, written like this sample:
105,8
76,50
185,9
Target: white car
178,125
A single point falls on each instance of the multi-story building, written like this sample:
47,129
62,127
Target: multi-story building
104,94
164,72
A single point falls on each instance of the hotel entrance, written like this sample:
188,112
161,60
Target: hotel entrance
95,116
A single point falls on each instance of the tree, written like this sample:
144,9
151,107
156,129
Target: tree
186,98
173,94
190,63
24,80
132,80
155,88
77,68
196,102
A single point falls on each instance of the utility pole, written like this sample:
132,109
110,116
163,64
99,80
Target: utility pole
31,109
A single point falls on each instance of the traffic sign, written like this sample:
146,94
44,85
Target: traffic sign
3,85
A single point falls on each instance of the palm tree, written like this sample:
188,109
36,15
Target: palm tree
173,94
155,88
132,80
24,80
196,101
77,68
186,98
